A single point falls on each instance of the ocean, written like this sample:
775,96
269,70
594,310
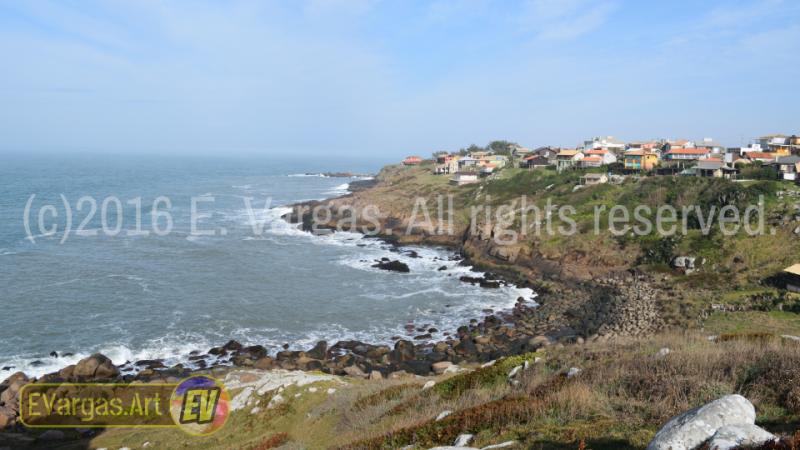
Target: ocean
136,282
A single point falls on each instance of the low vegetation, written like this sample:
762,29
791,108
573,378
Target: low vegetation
625,390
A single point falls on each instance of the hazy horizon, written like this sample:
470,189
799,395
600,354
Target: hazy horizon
387,79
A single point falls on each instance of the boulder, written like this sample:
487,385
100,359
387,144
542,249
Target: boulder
403,351
253,352
8,417
573,371
450,447
732,436
319,351
232,345
392,266
690,429
463,439
355,372
441,366
264,363
95,366
538,342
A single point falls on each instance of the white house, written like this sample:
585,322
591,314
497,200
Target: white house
462,178
604,143
597,158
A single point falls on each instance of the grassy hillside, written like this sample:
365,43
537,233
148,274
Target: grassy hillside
624,391
735,271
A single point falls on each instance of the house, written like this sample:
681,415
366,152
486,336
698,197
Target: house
686,154
651,146
499,161
534,162
732,154
764,157
462,178
566,159
676,144
715,168
548,153
792,274
604,143
591,161
788,167
604,157
519,152
640,160
794,144
591,179
777,143
446,164
412,161
713,146
467,162
479,155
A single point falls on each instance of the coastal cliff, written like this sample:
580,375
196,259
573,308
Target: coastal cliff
591,281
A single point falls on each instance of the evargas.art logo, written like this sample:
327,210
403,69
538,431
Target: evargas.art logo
200,405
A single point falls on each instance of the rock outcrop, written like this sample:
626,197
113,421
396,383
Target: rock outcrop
691,429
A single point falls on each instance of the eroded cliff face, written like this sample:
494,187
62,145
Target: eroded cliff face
583,290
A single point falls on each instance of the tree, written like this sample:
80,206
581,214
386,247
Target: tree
502,147
471,149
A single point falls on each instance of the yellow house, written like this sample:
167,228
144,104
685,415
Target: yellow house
640,160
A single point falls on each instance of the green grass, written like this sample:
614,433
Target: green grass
775,322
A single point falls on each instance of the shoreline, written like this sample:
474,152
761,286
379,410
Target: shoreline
229,355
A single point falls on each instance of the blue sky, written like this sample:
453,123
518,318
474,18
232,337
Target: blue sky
352,77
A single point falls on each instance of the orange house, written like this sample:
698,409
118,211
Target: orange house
640,160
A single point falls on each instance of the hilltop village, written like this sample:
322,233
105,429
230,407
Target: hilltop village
774,156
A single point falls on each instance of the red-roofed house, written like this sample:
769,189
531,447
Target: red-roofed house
412,161
604,156
534,161
761,156
592,161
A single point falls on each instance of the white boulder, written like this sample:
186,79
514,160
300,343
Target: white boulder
690,429
463,439
732,436
505,444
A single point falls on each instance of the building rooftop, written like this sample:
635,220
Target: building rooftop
688,151
710,165
794,270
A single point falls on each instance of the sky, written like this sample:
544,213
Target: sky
383,77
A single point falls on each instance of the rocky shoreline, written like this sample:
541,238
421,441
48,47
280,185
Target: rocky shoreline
622,303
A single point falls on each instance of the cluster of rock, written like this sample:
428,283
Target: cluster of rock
93,368
478,342
391,265
629,308
724,424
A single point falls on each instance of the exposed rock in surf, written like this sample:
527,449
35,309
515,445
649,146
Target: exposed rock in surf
393,266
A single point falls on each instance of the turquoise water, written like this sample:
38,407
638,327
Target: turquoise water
134,296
